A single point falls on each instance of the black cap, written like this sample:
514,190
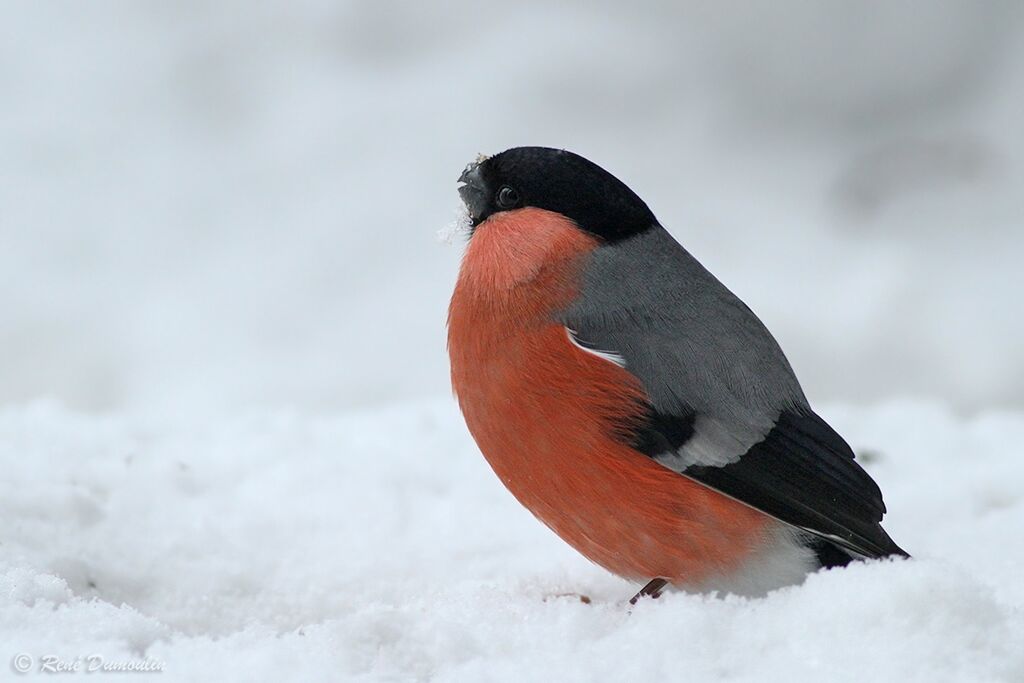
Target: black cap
555,180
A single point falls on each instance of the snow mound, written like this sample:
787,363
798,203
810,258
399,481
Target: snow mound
380,547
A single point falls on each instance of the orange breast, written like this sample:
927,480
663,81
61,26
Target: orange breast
549,417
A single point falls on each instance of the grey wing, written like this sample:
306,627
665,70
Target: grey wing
725,406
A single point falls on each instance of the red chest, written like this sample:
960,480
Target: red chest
550,417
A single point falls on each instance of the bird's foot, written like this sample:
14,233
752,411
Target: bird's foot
652,590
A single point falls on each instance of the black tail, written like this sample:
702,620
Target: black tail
830,555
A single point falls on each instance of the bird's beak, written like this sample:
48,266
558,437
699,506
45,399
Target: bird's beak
473,191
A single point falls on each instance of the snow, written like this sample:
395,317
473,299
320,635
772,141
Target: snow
461,226
379,546
222,341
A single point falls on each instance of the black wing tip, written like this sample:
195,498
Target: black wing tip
835,552
831,555
894,550
879,546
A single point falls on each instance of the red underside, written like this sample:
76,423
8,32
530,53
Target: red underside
546,414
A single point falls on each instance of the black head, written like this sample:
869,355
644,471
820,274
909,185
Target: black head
559,181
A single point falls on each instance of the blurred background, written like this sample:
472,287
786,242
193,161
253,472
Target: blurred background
217,206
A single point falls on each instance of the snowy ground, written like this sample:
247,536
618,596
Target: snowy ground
217,238
381,547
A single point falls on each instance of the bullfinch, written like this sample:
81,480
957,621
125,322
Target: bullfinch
633,403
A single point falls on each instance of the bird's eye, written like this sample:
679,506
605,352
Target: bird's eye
506,197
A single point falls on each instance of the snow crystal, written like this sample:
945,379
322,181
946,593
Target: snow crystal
460,226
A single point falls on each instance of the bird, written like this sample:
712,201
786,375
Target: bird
632,402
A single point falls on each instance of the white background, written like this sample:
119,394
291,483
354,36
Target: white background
227,443
212,205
